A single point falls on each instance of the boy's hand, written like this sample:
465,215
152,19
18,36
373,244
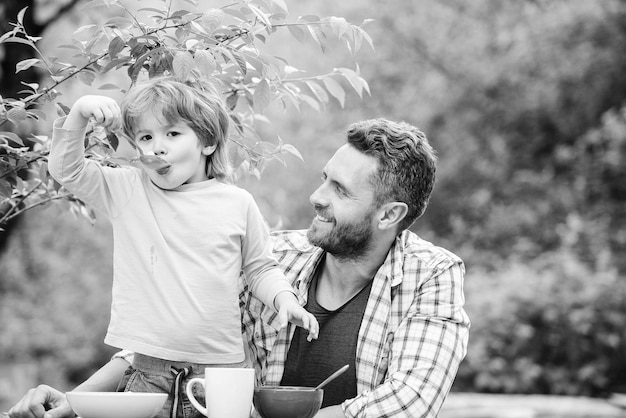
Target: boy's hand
289,310
101,109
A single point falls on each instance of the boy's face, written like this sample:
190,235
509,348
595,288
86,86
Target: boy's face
175,143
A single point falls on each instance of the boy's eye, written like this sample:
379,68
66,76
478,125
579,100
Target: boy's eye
174,133
145,138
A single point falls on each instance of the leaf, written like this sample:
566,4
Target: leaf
115,47
87,213
212,19
241,62
318,36
43,172
205,62
339,26
319,93
37,114
5,188
298,33
13,137
119,22
291,150
233,57
262,96
310,101
74,47
17,115
20,15
259,65
26,64
365,36
259,14
357,83
113,140
182,65
109,86
83,28
116,63
62,110
309,18
335,89
152,9
33,86
231,101
87,77
19,41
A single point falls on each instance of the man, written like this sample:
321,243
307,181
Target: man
389,304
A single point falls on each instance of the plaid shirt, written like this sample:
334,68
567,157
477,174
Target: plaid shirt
413,336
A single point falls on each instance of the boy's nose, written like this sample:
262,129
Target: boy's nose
158,147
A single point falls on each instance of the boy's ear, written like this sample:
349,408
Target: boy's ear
391,214
209,149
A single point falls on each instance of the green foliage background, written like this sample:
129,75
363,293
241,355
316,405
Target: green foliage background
524,101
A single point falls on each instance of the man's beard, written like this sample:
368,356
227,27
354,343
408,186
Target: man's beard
348,241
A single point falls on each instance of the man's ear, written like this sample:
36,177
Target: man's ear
391,214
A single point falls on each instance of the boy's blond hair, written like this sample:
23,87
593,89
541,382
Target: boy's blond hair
197,103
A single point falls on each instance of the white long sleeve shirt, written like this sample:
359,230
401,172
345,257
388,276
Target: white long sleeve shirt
178,255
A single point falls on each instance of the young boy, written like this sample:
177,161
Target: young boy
182,234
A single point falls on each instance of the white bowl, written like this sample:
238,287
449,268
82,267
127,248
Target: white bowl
116,404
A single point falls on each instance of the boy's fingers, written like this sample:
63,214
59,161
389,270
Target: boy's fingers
313,327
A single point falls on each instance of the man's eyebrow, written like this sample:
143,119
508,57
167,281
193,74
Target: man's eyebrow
343,186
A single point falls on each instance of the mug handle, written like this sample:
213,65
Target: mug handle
192,399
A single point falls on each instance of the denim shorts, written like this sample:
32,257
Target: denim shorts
149,374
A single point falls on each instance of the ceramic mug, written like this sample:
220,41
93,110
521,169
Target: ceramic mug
228,392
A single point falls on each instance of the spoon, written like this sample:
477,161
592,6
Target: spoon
152,161
332,377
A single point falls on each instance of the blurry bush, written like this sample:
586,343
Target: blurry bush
552,326
49,318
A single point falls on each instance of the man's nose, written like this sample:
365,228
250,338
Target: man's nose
318,197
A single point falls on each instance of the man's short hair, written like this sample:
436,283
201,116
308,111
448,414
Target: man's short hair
406,163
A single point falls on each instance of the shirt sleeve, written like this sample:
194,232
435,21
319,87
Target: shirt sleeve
261,271
99,186
424,354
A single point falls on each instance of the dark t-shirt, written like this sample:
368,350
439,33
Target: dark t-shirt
309,363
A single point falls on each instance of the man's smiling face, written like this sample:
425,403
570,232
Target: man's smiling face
344,204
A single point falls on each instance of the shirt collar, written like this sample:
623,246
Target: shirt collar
391,269
303,280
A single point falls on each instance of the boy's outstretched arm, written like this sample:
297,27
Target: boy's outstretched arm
289,310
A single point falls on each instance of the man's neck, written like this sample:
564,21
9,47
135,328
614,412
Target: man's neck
341,279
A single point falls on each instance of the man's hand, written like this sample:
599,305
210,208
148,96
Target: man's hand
289,310
42,402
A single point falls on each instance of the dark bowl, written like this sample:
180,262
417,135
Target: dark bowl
287,401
